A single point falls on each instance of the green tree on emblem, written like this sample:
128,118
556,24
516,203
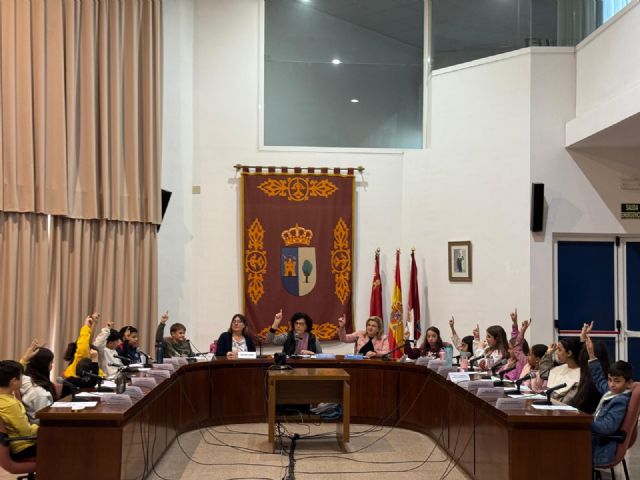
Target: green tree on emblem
307,268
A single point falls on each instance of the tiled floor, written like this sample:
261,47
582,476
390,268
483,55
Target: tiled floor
242,452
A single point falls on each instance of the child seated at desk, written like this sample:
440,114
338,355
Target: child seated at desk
177,344
13,413
616,390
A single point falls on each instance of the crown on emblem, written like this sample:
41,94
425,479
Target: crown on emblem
297,236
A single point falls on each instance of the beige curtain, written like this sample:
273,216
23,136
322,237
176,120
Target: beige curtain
24,279
80,108
104,266
80,138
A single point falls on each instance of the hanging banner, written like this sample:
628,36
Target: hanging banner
298,249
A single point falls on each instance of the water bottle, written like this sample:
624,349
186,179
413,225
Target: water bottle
443,354
159,352
464,361
449,355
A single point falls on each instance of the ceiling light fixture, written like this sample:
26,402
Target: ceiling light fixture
336,61
354,100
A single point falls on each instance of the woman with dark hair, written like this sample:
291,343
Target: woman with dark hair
567,371
297,341
37,391
235,339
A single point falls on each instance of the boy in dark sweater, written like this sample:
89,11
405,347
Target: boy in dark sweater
177,344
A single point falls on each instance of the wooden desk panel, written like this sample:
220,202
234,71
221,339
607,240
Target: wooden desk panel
486,442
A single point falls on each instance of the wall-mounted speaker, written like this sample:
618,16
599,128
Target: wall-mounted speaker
537,206
166,196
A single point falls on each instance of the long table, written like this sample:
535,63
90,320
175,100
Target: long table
488,443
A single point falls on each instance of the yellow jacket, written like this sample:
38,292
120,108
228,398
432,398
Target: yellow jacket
15,420
83,349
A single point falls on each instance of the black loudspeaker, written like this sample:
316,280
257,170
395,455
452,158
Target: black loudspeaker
166,196
537,206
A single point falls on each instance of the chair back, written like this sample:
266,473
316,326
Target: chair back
629,423
8,463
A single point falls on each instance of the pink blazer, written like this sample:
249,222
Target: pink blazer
381,346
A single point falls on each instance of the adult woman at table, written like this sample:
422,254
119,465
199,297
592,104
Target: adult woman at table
297,341
236,339
370,342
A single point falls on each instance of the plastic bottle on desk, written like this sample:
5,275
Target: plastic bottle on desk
159,352
464,361
448,355
443,354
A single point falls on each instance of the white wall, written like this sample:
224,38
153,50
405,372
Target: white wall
175,252
608,60
495,126
472,184
226,82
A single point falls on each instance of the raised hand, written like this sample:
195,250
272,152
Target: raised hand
525,325
109,324
452,324
342,321
476,332
514,316
407,334
552,348
586,331
589,344
88,322
31,350
277,319
165,317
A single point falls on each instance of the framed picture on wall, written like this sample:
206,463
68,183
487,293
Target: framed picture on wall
459,261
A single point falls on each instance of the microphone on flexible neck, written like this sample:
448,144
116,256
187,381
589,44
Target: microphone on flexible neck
126,360
549,391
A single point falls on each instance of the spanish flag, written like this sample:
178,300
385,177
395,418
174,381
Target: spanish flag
396,328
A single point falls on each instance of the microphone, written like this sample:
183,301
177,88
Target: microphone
549,391
495,368
387,355
473,360
502,373
86,375
74,389
126,360
198,352
148,357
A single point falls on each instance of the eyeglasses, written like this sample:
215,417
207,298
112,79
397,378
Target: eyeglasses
237,320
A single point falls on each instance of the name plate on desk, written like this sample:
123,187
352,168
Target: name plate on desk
457,377
490,392
118,399
171,361
146,382
511,403
134,392
157,372
179,361
476,384
163,366
247,355
353,356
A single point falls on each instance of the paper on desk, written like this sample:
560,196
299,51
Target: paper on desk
555,407
74,405
530,396
109,384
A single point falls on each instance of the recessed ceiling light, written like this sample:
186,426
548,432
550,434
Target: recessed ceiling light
336,61
354,100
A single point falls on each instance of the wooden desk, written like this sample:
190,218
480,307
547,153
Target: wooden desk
307,386
486,442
